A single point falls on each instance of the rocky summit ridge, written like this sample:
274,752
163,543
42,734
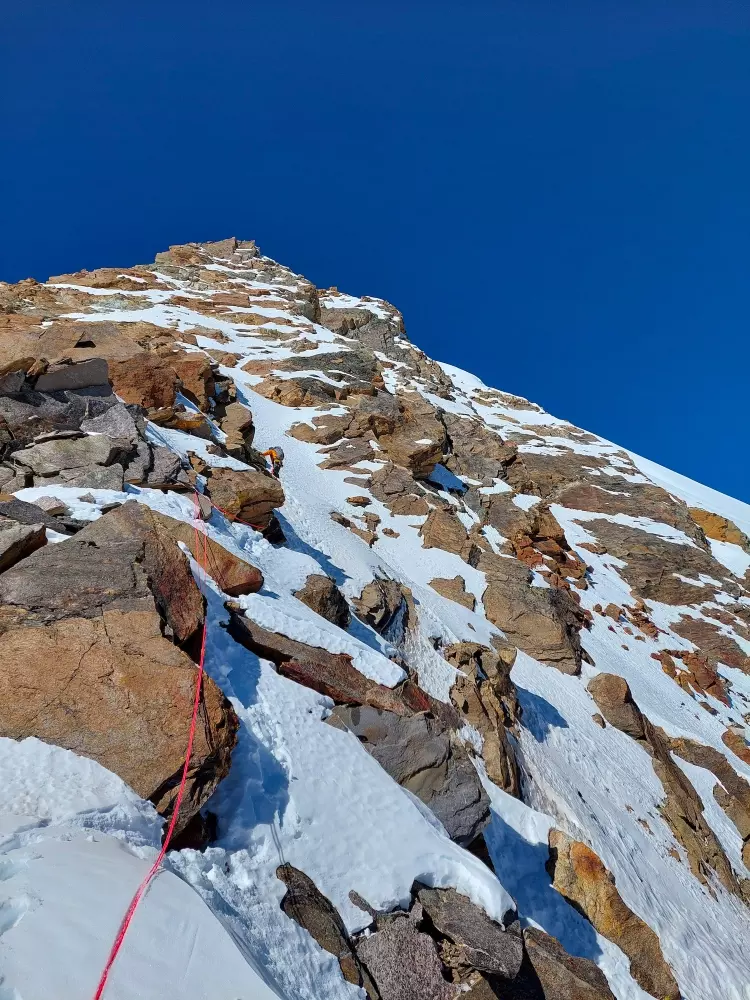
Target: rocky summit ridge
475,721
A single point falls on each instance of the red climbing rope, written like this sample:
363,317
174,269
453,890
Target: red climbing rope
202,560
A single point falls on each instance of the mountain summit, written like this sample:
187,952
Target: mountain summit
474,720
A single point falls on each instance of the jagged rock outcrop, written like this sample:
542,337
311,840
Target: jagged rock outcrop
332,674
421,754
550,973
485,697
654,567
245,494
322,596
581,877
381,602
543,622
682,808
306,904
82,635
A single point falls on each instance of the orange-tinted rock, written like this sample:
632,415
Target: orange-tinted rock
579,875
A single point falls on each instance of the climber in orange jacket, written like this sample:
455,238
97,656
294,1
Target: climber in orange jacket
274,459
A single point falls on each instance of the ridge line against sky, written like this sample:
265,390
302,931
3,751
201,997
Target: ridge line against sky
555,199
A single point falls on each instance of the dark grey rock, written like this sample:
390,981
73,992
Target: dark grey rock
116,422
421,754
481,942
29,513
306,904
93,372
404,962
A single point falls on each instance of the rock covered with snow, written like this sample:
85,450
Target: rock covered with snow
476,714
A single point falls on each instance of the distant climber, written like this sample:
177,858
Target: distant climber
274,460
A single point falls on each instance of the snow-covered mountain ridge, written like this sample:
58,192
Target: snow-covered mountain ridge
476,721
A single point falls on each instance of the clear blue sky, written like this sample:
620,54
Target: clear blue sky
557,195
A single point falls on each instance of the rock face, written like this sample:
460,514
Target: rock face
321,595
19,540
455,590
720,528
549,972
544,623
654,567
581,877
379,603
99,632
332,674
682,808
478,942
420,754
614,700
78,436
81,634
237,424
245,495
306,904
485,697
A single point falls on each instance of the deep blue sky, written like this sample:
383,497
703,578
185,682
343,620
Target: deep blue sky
557,195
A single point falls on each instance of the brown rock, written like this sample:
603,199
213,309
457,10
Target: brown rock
331,674
146,379
455,590
124,561
419,440
321,594
609,496
245,495
485,697
614,700
237,424
653,565
379,603
737,744
398,490
233,575
580,876
114,689
715,645
478,451
683,811
549,972
542,622
733,792
359,501
304,903
326,429
364,533
445,531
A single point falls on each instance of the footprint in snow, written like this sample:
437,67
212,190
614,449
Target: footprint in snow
7,870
